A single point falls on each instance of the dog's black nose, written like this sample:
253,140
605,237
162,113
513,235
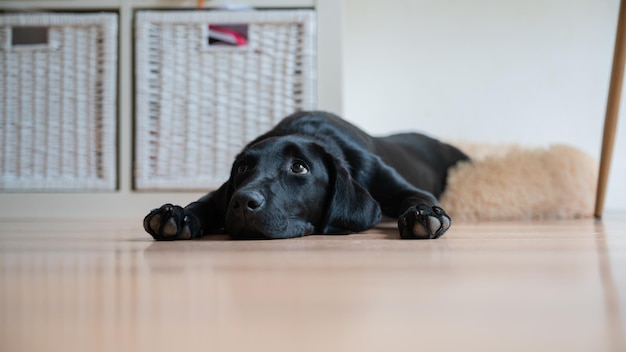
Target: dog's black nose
247,201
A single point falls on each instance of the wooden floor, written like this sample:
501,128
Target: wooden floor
106,286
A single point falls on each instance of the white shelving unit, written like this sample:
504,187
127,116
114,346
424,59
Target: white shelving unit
125,201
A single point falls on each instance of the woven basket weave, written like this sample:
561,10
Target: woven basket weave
58,103
197,105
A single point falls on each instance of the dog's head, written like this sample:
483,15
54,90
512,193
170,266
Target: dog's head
292,186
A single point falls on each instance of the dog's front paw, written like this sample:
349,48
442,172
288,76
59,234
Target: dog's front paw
423,222
170,222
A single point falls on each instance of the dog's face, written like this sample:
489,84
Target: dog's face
291,186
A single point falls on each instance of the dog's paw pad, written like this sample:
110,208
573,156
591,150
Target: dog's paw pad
433,224
423,222
170,228
446,223
185,233
153,222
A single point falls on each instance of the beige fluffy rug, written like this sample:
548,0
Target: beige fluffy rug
515,183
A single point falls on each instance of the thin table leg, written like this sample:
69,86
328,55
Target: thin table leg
612,110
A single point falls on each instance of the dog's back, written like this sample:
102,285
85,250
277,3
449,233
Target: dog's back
421,160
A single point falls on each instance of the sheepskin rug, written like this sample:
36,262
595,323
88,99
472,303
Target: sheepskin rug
520,183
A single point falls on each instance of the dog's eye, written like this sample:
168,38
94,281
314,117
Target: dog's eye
241,169
299,168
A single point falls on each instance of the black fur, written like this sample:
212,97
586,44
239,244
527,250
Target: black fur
316,173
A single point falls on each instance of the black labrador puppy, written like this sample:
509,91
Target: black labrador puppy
315,173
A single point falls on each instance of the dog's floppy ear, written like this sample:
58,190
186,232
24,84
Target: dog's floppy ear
351,208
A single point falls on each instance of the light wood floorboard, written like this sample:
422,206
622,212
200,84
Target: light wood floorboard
80,285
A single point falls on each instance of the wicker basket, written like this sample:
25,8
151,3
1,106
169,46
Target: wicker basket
197,104
58,102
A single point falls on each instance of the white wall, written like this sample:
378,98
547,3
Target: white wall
533,72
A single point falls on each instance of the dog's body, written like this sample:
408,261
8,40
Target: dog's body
316,173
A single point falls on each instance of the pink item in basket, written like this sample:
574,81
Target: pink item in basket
227,35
